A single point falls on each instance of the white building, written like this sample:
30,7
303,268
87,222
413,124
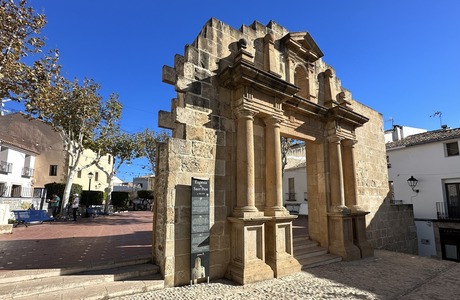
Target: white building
17,162
295,180
16,170
430,160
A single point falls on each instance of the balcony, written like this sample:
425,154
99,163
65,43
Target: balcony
447,212
5,167
27,172
16,191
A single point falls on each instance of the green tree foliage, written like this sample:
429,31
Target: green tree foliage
21,40
120,200
58,189
145,194
150,141
89,198
87,122
123,147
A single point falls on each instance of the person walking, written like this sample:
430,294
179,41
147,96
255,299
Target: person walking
54,203
75,204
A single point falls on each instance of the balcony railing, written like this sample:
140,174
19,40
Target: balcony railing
290,197
27,172
447,212
5,167
16,191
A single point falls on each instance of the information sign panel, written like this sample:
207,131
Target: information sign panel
199,229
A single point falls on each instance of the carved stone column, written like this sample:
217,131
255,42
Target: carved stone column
279,242
245,206
351,200
336,177
273,170
247,254
339,218
350,175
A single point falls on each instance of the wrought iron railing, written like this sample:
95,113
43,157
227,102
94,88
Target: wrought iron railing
290,197
447,212
5,167
16,191
27,172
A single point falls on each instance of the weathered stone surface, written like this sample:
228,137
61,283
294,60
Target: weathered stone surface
238,92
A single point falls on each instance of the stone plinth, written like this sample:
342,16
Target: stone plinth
247,262
279,246
341,236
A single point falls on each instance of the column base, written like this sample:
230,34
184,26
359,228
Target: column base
340,209
279,246
247,264
276,211
341,237
247,212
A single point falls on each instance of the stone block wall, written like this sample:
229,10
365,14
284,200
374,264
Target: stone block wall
393,228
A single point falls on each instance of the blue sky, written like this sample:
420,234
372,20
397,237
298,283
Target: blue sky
402,58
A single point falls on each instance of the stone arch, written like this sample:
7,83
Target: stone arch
227,119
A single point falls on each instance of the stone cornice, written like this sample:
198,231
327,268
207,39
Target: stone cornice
305,106
346,115
244,73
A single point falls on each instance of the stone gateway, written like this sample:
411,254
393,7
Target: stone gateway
238,93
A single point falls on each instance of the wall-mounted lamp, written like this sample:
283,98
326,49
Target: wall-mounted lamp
412,182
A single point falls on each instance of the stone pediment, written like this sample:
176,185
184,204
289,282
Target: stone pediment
303,45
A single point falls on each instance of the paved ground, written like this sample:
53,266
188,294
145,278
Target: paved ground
85,242
388,275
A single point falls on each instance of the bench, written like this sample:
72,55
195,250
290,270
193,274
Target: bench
28,217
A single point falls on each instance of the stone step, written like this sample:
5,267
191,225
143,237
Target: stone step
309,252
30,274
320,260
100,282
102,291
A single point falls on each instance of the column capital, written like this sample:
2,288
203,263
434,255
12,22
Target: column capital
243,112
334,139
349,142
272,120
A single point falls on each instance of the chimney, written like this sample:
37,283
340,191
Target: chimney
397,133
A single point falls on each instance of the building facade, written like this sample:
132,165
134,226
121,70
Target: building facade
45,150
430,160
295,180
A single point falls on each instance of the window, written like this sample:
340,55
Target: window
96,176
109,159
453,199
291,188
53,170
452,149
79,174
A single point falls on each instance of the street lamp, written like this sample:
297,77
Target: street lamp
90,176
412,182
